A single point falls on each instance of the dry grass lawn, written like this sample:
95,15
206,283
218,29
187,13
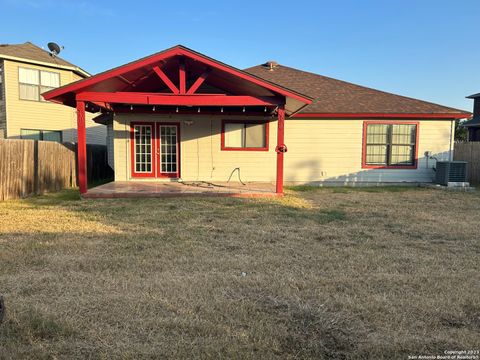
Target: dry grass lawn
328,273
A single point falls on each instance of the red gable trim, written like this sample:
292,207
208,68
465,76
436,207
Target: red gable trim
156,58
382,116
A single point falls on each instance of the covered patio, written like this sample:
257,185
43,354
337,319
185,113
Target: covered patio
176,82
150,189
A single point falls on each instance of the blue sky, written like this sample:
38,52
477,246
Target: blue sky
419,48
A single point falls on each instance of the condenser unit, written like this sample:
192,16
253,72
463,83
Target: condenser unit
451,172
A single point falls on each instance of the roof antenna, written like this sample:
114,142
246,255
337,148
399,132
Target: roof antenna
54,49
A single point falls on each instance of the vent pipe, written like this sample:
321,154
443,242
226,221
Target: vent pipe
271,65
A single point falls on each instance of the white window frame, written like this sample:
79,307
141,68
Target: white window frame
39,85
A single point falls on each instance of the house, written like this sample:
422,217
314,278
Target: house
179,114
26,71
473,125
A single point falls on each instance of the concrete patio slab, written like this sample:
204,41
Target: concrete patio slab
151,189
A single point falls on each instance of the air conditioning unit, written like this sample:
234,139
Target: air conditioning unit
451,172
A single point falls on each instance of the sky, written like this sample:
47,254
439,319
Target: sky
419,48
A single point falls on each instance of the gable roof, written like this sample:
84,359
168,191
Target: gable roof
474,96
29,52
114,79
333,96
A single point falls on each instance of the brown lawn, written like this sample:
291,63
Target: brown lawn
328,273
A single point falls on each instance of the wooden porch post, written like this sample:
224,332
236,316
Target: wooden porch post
281,148
81,147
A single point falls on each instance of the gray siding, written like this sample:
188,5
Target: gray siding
110,150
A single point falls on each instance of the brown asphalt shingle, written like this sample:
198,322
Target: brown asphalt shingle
30,51
336,96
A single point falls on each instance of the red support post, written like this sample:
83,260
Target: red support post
81,147
281,148
182,76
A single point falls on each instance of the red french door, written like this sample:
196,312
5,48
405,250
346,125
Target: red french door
155,150
168,150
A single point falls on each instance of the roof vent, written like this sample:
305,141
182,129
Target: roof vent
271,65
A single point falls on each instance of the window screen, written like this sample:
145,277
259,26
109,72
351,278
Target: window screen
31,134
390,144
45,135
33,82
245,135
48,81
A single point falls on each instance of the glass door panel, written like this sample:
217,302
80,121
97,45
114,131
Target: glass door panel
142,150
168,149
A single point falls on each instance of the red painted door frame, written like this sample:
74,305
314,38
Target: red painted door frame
152,172
156,148
158,155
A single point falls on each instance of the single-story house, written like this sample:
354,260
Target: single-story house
179,114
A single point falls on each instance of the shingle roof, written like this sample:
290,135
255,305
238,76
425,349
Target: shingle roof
29,51
336,96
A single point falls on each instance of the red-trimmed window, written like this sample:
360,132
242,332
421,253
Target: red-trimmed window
244,135
391,145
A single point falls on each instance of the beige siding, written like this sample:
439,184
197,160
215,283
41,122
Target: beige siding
201,154
3,115
331,151
25,114
319,151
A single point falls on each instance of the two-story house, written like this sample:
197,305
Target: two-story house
473,125
26,71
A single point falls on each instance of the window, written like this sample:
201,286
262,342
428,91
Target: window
390,145
245,135
33,82
45,135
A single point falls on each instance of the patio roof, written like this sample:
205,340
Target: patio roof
177,77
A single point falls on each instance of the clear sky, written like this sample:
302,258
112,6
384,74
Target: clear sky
427,49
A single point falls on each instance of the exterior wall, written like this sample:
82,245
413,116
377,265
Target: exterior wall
200,150
3,114
26,114
319,152
110,145
330,151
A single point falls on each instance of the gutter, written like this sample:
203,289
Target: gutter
75,69
439,116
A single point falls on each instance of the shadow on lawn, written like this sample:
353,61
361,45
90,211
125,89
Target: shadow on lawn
291,206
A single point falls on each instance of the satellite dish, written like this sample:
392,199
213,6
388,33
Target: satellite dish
54,48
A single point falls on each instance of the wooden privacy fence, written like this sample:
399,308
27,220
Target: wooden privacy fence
470,152
34,167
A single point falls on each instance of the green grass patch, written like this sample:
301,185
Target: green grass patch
333,215
34,325
347,189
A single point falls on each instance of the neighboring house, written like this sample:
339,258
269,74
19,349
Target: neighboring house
178,114
473,125
26,71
